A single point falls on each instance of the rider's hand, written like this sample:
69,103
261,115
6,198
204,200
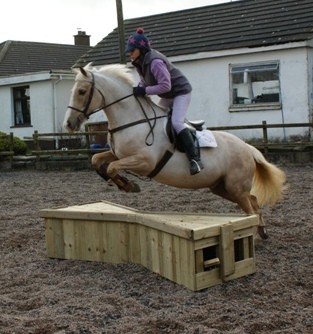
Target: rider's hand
139,91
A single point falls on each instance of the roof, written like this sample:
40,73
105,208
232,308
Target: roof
236,24
18,57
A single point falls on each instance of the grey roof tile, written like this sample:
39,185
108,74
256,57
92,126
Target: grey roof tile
245,23
18,57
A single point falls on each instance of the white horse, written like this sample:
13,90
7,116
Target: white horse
233,170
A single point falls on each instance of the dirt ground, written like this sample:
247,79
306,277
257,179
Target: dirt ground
40,295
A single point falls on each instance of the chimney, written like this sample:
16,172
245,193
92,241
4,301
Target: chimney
81,38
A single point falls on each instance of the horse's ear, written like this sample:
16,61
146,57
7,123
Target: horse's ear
82,70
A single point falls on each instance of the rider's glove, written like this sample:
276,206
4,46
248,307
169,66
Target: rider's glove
139,91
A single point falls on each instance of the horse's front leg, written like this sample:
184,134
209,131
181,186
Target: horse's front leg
136,163
100,162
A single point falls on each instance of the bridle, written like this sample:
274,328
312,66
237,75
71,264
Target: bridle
103,106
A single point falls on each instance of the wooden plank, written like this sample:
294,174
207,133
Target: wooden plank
167,258
154,237
69,239
124,242
96,211
81,241
134,243
177,259
54,238
243,268
187,264
190,226
245,232
208,242
207,279
211,263
246,247
227,250
113,235
144,257
199,262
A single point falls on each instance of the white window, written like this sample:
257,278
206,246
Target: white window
255,86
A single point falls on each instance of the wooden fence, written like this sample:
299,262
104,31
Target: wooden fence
64,150
264,144
8,154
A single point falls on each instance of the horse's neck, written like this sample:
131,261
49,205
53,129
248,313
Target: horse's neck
131,110
124,108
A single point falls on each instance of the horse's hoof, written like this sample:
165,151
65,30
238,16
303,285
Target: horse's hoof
132,188
263,232
110,183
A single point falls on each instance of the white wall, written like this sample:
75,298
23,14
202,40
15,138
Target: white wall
310,83
211,91
6,118
48,102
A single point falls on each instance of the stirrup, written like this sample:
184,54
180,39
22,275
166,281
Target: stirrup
195,166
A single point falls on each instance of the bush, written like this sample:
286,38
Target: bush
19,147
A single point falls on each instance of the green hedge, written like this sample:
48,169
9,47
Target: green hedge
19,147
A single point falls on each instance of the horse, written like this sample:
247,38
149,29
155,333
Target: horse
139,143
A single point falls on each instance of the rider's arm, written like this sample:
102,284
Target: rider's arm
162,76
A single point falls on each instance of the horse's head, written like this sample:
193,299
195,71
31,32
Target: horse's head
85,99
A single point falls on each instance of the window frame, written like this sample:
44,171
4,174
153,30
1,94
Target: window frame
21,106
254,67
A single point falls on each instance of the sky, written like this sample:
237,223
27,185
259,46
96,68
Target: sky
57,21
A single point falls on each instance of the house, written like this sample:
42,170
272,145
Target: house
35,83
247,60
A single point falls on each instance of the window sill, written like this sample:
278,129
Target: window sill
21,126
255,107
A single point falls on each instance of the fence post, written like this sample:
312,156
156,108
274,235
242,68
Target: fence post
88,140
11,148
36,142
265,137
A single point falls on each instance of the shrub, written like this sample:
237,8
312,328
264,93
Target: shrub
19,147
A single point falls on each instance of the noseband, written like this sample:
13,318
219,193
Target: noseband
84,111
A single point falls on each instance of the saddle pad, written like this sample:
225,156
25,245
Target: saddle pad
206,138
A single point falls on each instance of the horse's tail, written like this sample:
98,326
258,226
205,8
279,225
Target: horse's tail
268,182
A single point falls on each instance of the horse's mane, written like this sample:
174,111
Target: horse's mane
116,70
122,71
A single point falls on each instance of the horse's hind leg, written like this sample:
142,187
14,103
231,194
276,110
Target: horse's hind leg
248,203
261,228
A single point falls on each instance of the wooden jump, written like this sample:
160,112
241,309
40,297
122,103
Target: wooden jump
194,250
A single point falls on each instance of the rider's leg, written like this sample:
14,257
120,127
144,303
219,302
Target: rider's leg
186,139
180,107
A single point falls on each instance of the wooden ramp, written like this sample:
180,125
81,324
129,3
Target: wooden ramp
195,250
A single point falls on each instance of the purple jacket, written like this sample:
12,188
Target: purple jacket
160,76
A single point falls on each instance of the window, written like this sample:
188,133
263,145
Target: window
255,85
21,106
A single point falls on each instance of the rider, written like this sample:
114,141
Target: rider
158,76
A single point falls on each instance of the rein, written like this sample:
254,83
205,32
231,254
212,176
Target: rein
92,82
125,126
144,120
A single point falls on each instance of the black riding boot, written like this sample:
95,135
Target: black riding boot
186,139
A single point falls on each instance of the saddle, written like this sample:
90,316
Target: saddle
192,125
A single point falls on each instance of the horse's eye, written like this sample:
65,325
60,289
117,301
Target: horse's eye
81,91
